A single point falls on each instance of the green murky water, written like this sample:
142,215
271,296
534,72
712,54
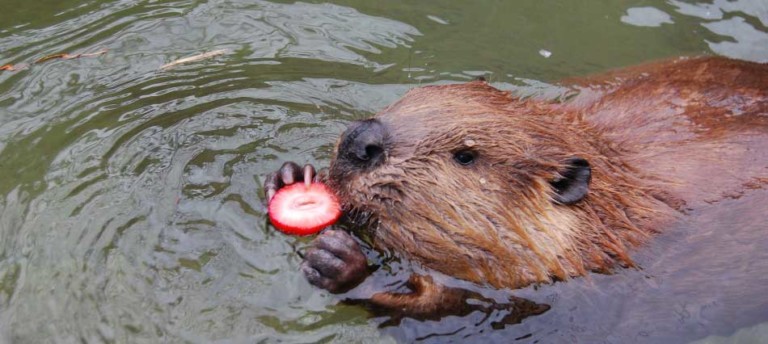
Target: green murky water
130,206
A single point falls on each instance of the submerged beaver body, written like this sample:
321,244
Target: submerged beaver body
474,183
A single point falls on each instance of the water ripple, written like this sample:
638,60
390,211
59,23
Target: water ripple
144,184
130,197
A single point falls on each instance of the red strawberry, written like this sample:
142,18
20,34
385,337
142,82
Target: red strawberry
298,210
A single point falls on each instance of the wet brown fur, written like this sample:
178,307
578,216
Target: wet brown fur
661,139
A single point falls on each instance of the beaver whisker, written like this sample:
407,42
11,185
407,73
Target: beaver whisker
359,217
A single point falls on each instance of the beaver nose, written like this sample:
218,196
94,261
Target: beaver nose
362,144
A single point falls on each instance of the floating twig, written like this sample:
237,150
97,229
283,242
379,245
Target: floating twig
194,58
14,67
66,56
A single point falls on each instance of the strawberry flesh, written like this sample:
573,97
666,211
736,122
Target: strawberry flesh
298,210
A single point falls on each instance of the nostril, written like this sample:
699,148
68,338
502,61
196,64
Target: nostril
363,144
369,153
372,152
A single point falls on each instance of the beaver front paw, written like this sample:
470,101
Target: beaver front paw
335,262
288,174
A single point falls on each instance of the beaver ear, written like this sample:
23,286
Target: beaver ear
573,185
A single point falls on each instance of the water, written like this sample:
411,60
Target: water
130,198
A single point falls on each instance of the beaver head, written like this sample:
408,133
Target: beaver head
482,186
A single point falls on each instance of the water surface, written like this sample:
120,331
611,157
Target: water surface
130,197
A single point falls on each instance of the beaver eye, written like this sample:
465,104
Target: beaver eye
464,157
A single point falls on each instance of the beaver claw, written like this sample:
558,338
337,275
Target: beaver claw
288,174
335,262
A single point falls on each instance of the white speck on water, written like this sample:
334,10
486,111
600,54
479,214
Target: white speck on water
476,73
646,16
438,20
545,53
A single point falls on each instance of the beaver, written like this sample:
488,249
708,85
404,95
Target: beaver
503,192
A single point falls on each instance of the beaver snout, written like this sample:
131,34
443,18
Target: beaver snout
363,144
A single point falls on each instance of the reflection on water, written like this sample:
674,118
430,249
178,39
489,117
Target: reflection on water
646,16
130,202
741,25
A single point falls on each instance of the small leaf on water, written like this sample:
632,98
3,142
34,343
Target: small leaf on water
66,56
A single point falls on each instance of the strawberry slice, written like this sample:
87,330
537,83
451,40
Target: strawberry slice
298,210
